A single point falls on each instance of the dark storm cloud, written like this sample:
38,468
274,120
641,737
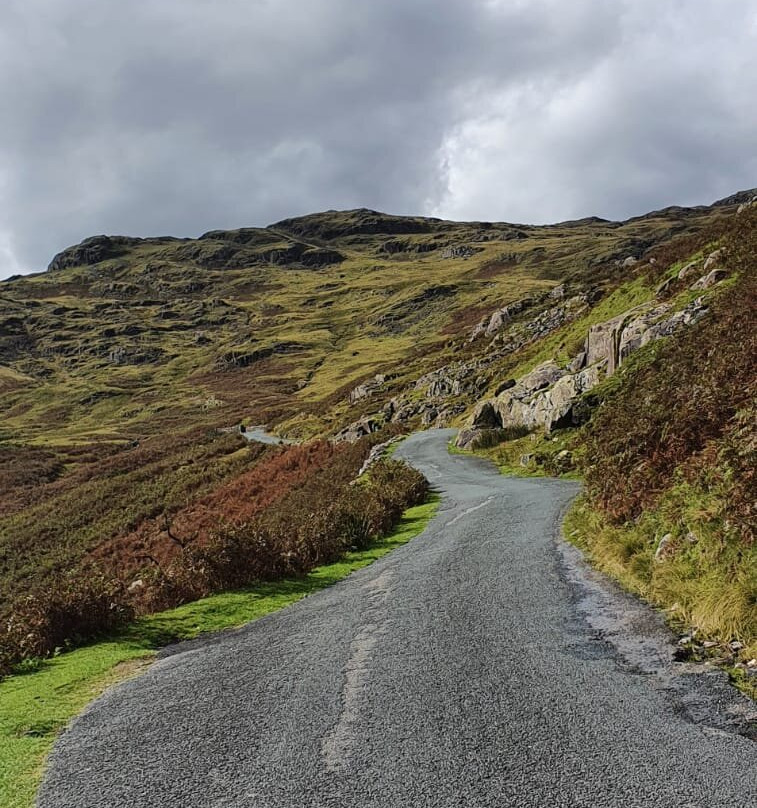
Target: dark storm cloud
181,116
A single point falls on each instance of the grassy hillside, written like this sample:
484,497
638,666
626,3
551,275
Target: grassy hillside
120,363
126,338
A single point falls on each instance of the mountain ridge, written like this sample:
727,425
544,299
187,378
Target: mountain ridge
376,217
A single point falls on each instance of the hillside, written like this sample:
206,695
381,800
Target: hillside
123,337
120,363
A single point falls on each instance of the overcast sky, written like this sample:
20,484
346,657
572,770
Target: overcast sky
179,116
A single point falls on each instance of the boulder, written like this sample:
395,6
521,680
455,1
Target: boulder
543,398
665,548
713,259
706,281
358,429
467,437
541,376
497,321
369,387
503,316
691,269
486,416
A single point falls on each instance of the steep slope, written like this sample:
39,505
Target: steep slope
657,410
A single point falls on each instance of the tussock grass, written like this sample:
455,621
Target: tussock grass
708,583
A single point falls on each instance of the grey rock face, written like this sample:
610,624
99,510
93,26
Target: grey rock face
91,251
498,319
603,342
546,397
368,388
466,438
541,399
713,259
712,277
358,429
614,340
691,269
460,251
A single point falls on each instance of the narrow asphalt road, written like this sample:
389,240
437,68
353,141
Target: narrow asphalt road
457,671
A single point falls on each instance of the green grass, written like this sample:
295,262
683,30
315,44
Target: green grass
35,706
541,448
708,583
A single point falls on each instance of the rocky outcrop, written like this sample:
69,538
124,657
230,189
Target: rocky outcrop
460,251
496,321
243,359
92,251
511,336
710,279
397,246
369,387
317,258
543,398
359,429
615,339
454,379
713,259
511,339
547,396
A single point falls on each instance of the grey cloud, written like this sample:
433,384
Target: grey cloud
186,115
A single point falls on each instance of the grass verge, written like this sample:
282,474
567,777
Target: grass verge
534,455
34,707
705,585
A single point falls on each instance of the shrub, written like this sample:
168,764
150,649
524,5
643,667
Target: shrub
313,524
85,604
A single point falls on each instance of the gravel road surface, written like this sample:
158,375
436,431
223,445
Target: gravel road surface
478,665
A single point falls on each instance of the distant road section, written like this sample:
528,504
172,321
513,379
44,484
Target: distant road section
459,670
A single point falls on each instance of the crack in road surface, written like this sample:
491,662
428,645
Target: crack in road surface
337,744
470,510
480,665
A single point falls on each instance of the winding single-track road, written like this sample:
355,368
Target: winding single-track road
460,670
